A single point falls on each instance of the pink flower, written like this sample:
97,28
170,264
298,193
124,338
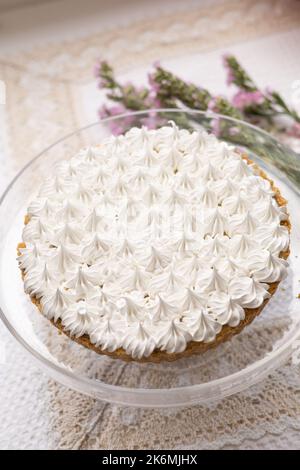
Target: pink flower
150,122
128,84
225,59
229,77
229,73
128,120
156,64
97,69
103,112
117,126
156,103
135,88
233,131
269,92
97,72
153,84
215,127
152,101
153,120
212,105
117,109
294,131
242,99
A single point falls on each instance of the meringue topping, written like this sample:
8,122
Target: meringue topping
153,239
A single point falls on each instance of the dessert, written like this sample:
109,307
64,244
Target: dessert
154,245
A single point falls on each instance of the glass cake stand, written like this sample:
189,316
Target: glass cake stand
233,366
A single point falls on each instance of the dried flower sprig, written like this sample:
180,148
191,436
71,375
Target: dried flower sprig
169,87
131,97
166,90
251,100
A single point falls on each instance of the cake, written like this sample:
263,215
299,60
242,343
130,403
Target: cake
154,245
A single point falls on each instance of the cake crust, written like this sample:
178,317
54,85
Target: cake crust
193,347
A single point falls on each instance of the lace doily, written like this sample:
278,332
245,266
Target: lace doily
42,86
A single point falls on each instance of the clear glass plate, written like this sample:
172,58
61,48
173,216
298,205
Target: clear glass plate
247,358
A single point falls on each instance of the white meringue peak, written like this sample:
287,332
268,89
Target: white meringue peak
241,246
138,341
237,169
236,204
69,210
247,291
270,211
65,258
267,267
83,193
30,256
162,309
224,187
214,246
156,259
245,223
40,207
78,318
84,281
192,299
40,278
168,281
55,302
95,248
36,229
274,237
202,326
68,233
215,223
107,334
225,310
210,172
207,197
173,337
212,279
130,307
134,278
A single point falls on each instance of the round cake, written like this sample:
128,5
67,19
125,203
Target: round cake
155,244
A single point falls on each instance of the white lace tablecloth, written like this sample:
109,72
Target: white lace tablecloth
47,69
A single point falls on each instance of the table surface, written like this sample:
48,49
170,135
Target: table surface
47,53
